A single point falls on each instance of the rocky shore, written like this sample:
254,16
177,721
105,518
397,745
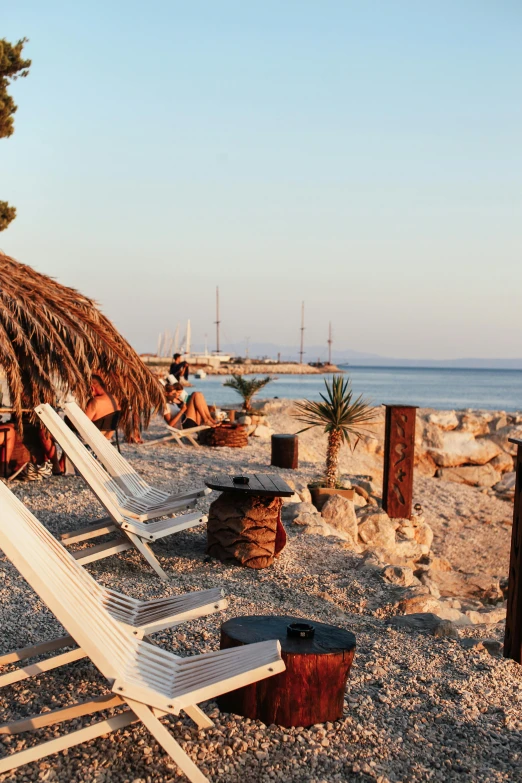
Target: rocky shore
429,697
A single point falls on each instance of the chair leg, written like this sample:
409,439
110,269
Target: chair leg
167,741
44,666
67,741
117,441
201,720
148,554
36,649
62,714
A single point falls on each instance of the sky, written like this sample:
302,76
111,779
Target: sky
363,156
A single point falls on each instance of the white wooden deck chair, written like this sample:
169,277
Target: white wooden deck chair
144,679
134,532
177,435
142,501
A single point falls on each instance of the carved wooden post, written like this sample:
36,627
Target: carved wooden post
399,453
513,635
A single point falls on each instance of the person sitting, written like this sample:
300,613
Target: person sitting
183,414
179,369
102,407
7,441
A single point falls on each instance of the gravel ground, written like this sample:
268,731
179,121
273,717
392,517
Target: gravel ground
417,708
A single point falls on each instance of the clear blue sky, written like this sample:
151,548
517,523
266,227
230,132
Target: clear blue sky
363,156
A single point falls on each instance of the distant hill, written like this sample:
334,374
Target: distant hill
290,353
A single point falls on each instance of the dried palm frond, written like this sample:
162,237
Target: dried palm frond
52,339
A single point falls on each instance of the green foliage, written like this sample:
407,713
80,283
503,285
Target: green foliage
12,66
7,214
246,388
342,417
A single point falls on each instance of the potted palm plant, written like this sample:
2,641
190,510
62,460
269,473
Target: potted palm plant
343,419
247,388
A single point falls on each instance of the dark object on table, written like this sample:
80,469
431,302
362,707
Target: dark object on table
399,455
232,435
285,451
513,634
244,523
240,479
311,690
302,630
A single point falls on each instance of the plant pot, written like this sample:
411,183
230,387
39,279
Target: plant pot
321,494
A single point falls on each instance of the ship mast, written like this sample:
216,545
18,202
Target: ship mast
301,352
330,341
217,321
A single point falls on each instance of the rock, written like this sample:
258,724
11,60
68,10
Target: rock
503,462
406,531
487,616
300,488
447,612
501,438
359,501
364,484
294,510
361,492
493,646
373,558
425,464
407,549
424,537
339,512
263,432
425,622
461,448
446,420
472,644
319,528
472,475
428,582
377,529
476,422
398,575
507,483
485,588
434,563
418,603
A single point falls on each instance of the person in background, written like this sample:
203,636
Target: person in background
179,369
101,407
7,440
184,413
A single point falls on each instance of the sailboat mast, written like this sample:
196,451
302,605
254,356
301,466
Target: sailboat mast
329,341
301,352
217,321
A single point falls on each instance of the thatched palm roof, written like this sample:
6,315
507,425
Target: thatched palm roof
52,337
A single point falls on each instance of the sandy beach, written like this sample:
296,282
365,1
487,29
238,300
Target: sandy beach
419,706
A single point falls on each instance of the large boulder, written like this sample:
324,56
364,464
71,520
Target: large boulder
398,575
472,475
461,448
501,438
507,483
376,528
503,462
446,420
301,514
425,622
476,422
339,513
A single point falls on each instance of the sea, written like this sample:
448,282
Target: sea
423,386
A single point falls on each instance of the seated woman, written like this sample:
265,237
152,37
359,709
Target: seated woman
183,415
7,441
102,407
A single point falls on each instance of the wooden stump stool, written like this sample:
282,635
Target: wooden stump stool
311,690
285,451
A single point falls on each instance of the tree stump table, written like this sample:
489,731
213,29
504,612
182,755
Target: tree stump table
244,523
285,451
311,690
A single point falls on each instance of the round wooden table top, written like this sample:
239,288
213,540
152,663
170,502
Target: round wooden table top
327,639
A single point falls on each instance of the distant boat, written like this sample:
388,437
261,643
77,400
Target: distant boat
200,374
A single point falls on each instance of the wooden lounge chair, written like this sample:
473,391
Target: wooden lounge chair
148,681
143,501
135,532
177,435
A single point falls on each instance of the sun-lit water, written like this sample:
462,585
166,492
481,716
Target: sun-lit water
426,387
